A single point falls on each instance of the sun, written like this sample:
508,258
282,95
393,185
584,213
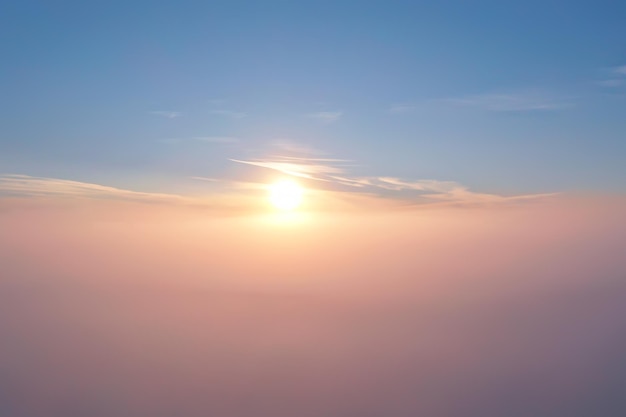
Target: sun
285,195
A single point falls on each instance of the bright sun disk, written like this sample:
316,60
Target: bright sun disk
285,195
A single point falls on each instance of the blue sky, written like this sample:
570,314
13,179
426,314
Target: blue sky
502,97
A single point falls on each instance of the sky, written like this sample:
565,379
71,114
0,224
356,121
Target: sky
458,250
504,98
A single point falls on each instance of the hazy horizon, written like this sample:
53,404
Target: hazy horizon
306,209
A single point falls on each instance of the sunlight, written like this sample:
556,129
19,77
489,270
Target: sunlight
285,195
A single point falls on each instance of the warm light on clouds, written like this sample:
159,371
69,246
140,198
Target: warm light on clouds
320,317
312,208
328,174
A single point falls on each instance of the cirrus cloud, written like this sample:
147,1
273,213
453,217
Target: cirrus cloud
30,186
333,175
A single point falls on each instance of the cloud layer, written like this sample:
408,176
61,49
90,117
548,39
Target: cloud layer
481,313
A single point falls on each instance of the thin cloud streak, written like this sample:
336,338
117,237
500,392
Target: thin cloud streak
167,114
612,83
621,70
224,140
297,167
402,108
29,186
431,190
217,139
513,102
207,179
229,113
615,78
326,116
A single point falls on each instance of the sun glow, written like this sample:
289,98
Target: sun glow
285,195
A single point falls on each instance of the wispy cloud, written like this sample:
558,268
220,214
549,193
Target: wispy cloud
402,108
513,102
289,147
335,176
224,140
428,190
621,70
167,114
29,186
614,82
229,113
310,168
217,139
207,179
614,78
326,116
322,175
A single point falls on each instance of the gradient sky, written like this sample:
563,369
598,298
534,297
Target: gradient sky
504,98
460,247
